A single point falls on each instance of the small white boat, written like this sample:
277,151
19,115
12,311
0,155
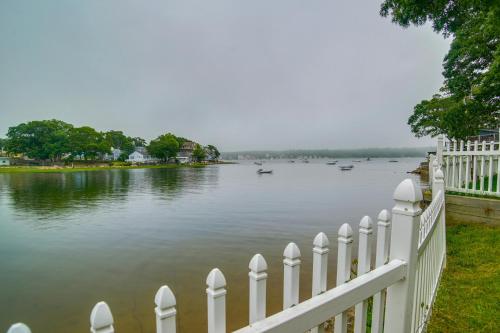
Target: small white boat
393,161
262,171
257,163
346,167
331,163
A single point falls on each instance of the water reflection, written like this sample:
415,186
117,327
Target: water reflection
56,194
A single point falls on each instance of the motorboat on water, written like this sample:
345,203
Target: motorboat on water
393,161
262,171
331,163
257,163
346,167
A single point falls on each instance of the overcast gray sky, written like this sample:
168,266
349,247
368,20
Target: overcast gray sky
240,74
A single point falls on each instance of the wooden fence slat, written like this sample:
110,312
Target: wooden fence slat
291,273
101,319
19,328
343,269
382,257
216,301
321,248
364,266
257,287
165,311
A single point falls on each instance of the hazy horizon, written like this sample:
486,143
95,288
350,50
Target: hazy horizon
253,75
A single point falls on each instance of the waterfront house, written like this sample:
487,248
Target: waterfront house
140,155
116,153
185,154
4,161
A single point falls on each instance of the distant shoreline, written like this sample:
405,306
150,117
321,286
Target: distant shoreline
65,169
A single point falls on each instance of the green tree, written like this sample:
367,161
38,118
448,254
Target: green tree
87,142
139,142
3,144
470,97
118,140
164,147
199,153
213,152
40,139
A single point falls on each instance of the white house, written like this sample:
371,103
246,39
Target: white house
137,157
4,161
141,155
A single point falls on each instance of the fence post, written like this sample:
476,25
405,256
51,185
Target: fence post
343,269
258,277
432,160
101,319
404,246
382,256
216,301
439,186
291,273
439,153
19,328
364,266
320,267
165,310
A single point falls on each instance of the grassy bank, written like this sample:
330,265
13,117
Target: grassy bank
42,169
467,299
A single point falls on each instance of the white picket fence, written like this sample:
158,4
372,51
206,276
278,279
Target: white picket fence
410,255
470,167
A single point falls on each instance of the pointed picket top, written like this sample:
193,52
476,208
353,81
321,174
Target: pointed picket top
345,233
215,279
366,225
292,251
408,191
101,316
258,263
19,328
165,298
321,240
384,216
439,174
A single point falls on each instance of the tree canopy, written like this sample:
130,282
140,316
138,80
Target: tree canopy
54,140
199,153
470,97
87,142
164,147
39,139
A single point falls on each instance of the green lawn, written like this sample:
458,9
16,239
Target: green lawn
468,298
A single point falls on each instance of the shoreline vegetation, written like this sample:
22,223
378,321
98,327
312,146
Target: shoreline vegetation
79,168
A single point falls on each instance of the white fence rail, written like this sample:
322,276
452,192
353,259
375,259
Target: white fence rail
471,167
410,255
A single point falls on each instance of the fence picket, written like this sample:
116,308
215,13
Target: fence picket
467,167
291,273
343,269
216,301
101,319
474,169
481,179
382,256
364,266
460,165
490,168
258,280
19,328
320,267
165,310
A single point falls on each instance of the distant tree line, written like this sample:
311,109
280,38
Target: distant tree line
331,153
54,140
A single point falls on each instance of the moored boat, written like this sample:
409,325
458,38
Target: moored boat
262,171
346,167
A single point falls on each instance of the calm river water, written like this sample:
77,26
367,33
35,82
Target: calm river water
70,240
